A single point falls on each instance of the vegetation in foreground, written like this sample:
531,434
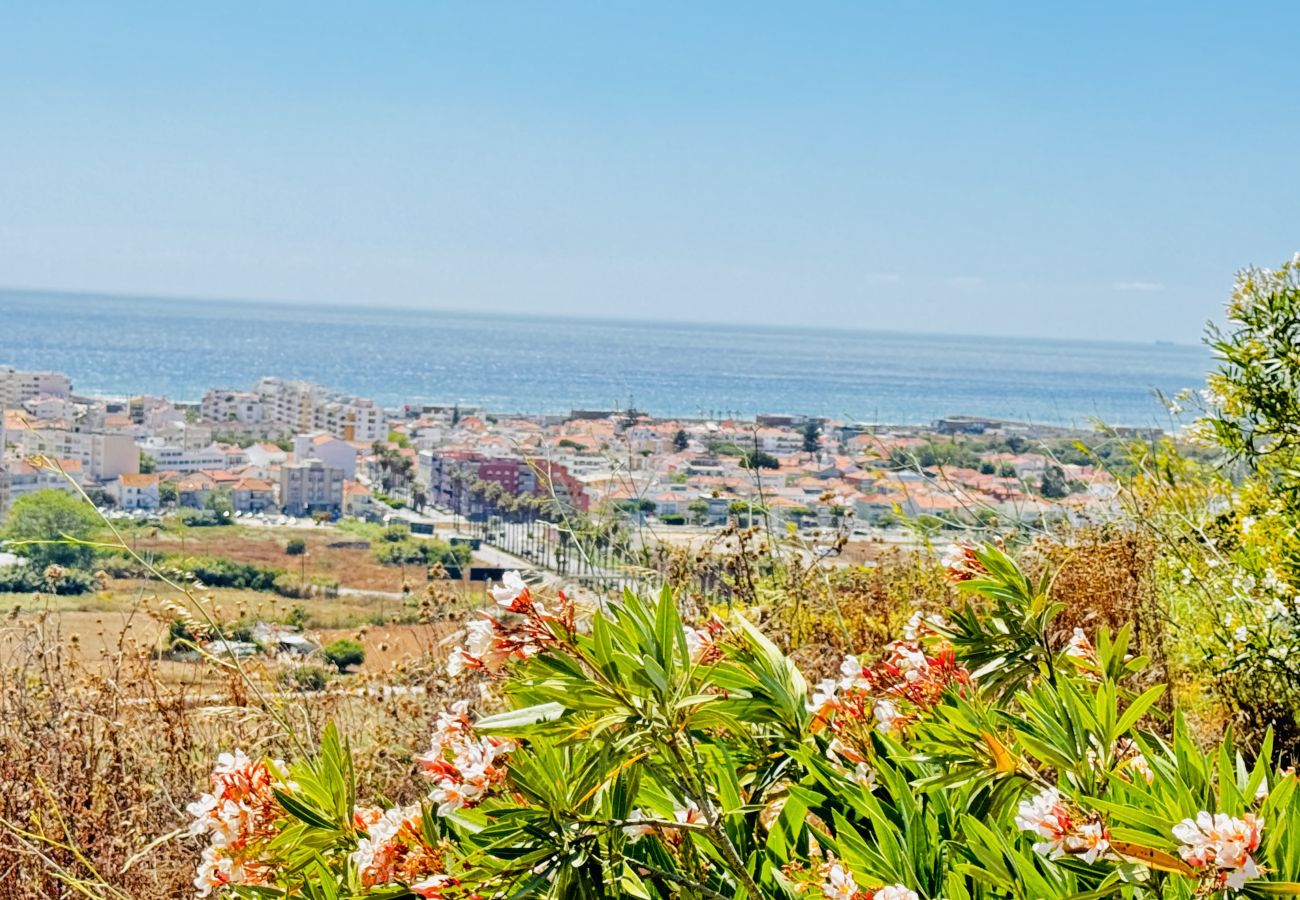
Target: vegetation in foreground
979,757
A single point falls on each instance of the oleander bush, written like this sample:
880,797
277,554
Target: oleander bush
638,756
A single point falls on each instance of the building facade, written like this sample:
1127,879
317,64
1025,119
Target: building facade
18,386
311,487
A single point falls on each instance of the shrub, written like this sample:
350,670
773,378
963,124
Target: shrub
981,757
305,678
120,565
295,547
759,459
290,585
227,573
202,518
415,551
343,653
396,532
52,579
1254,397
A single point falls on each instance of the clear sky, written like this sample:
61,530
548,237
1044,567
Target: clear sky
1090,170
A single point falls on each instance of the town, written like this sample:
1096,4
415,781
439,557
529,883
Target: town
284,452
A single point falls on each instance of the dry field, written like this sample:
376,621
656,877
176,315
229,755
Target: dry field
131,618
352,568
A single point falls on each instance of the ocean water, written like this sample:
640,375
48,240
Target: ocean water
118,345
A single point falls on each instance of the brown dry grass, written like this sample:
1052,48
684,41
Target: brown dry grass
133,616
1106,577
101,747
354,568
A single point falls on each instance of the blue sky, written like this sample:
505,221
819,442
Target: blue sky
1064,170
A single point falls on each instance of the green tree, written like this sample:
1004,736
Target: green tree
1254,396
168,494
812,436
295,547
52,516
759,459
343,653
221,506
148,464
1053,484
680,440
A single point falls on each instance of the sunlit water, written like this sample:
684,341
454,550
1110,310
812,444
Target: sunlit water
179,348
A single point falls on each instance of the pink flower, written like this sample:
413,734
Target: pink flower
1080,647
894,892
1046,817
1223,843
838,883
239,815
463,767
512,587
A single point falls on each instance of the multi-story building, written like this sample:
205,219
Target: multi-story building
329,449
351,420
555,480
288,402
18,386
192,489
303,406
139,491
222,405
104,457
46,408
23,479
171,458
309,487
449,475
252,495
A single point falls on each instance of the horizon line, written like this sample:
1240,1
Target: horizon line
73,293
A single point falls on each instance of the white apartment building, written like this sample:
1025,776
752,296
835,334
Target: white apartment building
49,408
263,456
288,402
303,407
353,420
136,491
103,456
330,450
18,386
171,458
23,479
221,405
775,440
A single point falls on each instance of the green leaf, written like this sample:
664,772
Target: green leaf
516,719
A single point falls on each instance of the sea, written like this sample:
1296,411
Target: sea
117,346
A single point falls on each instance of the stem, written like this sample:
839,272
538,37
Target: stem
681,880
716,833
